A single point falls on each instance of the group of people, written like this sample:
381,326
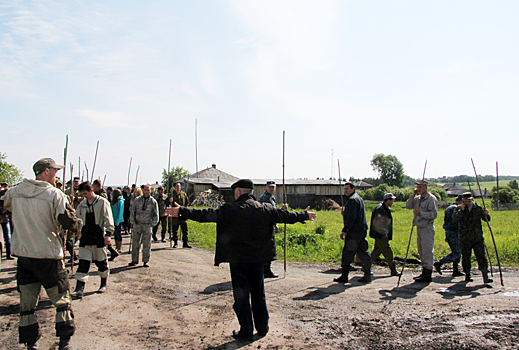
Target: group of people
244,238
462,224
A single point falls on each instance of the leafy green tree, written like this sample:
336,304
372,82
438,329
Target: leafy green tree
8,172
389,168
506,195
513,184
174,175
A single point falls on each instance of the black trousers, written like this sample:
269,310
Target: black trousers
247,282
356,243
163,220
174,231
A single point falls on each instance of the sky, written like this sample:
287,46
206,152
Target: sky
421,80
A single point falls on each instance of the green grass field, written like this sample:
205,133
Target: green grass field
319,241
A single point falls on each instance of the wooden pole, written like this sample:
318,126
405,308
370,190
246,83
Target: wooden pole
65,151
129,168
169,168
488,224
284,202
95,160
340,185
196,146
86,168
104,179
410,235
497,182
137,174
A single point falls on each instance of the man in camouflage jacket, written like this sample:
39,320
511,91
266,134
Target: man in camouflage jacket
162,200
469,215
180,198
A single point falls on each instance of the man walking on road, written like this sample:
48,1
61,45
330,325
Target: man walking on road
354,235
381,229
245,239
39,212
425,209
453,239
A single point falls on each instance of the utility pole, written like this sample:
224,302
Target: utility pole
331,173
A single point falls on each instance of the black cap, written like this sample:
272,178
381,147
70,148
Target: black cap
243,183
459,198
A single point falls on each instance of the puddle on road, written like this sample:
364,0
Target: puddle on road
511,294
446,291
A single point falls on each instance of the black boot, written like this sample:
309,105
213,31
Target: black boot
79,291
486,279
456,270
175,244
467,276
394,272
438,266
64,344
420,275
32,346
344,276
366,278
102,287
426,276
113,253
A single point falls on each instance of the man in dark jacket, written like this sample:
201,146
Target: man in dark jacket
354,235
469,215
245,239
453,239
381,229
161,199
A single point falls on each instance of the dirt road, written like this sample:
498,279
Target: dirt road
183,302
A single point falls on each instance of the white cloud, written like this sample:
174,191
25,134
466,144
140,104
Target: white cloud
110,119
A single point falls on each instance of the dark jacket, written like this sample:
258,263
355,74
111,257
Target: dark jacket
244,228
354,216
381,222
448,221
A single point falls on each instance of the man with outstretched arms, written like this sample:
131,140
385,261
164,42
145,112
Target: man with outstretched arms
98,225
354,235
425,210
469,215
39,211
245,239
143,216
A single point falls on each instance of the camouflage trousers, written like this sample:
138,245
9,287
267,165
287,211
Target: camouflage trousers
453,240
479,251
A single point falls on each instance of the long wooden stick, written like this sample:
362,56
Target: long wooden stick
137,174
284,202
95,160
340,185
488,223
86,168
411,234
169,167
129,168
71,196
65,151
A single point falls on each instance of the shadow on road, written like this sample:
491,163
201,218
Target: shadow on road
408,291
218,287
321,293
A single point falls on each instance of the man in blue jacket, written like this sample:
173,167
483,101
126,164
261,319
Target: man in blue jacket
245,239
453,239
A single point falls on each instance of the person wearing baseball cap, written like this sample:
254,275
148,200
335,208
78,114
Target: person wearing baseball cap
425,209
381,229
268,197
40,211
245,239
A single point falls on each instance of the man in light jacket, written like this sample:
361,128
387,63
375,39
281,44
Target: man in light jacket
39,212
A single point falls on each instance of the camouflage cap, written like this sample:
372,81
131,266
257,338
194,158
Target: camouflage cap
422,182
271,183
45,163
389,196
467,195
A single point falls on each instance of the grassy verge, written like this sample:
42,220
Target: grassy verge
319,241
